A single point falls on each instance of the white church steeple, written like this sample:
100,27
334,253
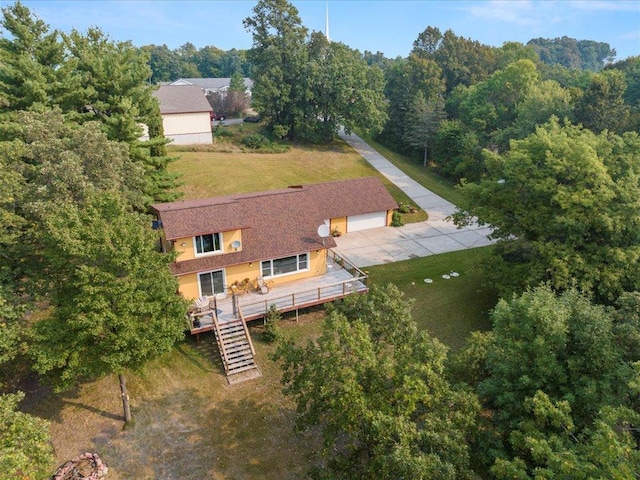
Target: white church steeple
326,22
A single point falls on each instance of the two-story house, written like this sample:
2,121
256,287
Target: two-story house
271,235
239,255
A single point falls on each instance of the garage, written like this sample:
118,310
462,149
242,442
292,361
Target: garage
365,221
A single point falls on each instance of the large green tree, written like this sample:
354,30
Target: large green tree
558,386
307,87
408,80
342,90
463,61
279,56
565,205
490,106
457,152
602,105
376,388
163,62
31,63
116,301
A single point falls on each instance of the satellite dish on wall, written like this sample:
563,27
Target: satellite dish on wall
236,244
324,232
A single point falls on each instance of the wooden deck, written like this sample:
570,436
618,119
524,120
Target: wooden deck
340,280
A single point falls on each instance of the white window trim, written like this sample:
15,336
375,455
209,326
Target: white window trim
224,280
288,273
206,254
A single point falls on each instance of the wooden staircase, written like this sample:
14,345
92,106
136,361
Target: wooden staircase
236,350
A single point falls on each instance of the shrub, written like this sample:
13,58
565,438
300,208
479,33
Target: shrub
396,219
255,141
280,131
404,208
272,330
221,131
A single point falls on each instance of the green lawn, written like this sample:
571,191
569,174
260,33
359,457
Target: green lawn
207,173
449,309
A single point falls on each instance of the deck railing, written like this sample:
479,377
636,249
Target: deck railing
348,266
252,310
306,298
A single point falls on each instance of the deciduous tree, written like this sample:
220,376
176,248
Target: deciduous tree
404,80
558,386
463,61
376,388
309,87
116,300
603,106
279,56
342,91
564,203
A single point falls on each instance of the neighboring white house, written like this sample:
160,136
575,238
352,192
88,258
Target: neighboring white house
185,114
213,85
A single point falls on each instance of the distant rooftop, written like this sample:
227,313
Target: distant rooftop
211,84
182,99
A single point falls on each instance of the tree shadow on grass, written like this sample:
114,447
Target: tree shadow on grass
40,399
91,409
208,357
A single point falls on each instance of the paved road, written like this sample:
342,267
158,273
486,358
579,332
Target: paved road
435,235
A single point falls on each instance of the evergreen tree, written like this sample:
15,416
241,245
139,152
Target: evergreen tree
90,78
424,118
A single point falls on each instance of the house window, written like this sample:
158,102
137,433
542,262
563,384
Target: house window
208,243
211,283
285,265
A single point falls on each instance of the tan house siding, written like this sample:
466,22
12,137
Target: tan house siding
339,224
186,246
188,284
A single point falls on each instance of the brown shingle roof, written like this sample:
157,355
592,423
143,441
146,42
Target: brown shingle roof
274,223
182,99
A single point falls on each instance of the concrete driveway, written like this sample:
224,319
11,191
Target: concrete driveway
392,244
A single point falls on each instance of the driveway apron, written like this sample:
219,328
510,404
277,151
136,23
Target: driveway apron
435,235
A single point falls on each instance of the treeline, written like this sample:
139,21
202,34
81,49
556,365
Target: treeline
453,97
572,53
189,62
75,237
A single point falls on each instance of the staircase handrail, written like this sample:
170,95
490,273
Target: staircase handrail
246,331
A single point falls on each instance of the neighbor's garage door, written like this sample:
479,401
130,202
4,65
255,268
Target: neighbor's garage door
368,220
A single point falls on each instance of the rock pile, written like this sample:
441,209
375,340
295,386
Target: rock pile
88,466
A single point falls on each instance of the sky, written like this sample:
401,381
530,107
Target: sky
387,26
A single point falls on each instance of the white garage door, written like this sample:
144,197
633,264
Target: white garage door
368,220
